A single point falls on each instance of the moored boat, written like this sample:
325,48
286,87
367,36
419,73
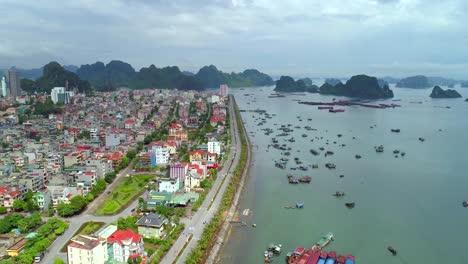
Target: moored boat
336,110
322,258
292,179
305,179
331,258
324,240
350,259
338,194
341,260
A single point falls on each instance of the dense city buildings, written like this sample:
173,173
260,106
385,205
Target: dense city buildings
60,150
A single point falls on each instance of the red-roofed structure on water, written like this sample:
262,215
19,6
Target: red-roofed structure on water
126,244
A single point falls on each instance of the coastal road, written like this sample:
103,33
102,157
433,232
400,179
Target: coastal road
195,225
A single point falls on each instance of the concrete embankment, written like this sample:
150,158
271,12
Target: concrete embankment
225,230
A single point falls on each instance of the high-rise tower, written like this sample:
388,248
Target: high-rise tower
4,87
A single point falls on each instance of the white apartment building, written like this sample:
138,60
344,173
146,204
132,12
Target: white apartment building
214,147
87,250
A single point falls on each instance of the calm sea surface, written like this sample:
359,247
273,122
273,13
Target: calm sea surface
413,203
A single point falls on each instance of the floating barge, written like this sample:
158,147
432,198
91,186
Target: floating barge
315,255
329,105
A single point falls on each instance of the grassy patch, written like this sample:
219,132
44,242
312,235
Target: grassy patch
87,228
125,192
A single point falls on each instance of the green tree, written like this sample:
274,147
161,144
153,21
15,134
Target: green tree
3,210
128,223
131,154
85,134
59,261
19,205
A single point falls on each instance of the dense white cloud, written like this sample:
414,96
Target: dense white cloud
299,37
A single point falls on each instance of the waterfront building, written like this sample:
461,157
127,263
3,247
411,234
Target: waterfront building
14,83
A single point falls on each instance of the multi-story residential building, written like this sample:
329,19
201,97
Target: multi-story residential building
214,147
94,134
87,250
100,166
32,182
58,95
88,178
174,128
72,158
43,198
13,83
146,160
125,245
223,90
151,225
161,152
178,170
169,185
112,139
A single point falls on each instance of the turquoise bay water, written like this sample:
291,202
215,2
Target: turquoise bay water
413,203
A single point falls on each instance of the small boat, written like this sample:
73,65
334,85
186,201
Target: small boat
314,152
322,258
325,107
315,166
299,205
395,130
305,179
350,259
341,260
276,249
421,139
267,260
331,258
379,149
329,153
465,203
357,156
325,240
336,110
396,151
350,205
292,180
392,250
330,166
338,194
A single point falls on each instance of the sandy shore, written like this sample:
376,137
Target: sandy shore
231,213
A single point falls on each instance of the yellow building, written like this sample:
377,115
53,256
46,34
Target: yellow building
16,249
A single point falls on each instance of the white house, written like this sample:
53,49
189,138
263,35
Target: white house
125,245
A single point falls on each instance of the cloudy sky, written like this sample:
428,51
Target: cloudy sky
298,37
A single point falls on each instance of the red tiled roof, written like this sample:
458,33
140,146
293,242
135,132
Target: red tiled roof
120,235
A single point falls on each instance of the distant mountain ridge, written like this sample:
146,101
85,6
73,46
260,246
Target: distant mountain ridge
54,75
107,77
359,86
421,82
